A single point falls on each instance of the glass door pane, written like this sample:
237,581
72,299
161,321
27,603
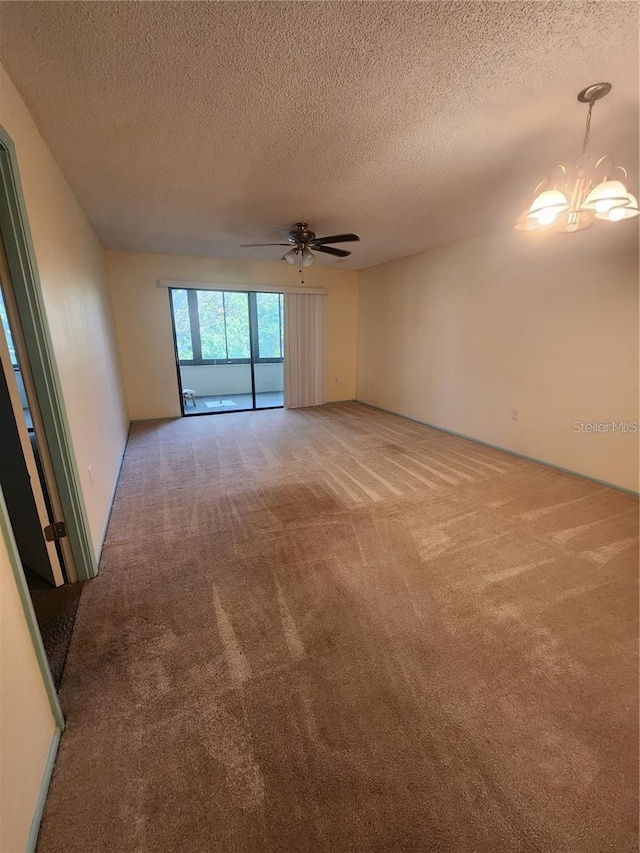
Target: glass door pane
269,346
214,350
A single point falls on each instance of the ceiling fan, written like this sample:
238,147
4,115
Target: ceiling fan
303,242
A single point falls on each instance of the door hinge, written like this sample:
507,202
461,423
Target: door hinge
55,531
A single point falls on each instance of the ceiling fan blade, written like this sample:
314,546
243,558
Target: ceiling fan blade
336,238
249,245
339,253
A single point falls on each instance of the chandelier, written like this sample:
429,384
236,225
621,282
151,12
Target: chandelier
570,201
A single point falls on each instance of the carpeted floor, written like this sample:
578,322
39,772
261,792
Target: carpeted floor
334,630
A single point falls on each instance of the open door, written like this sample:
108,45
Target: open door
20,480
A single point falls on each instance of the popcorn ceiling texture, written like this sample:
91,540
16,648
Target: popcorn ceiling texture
193,127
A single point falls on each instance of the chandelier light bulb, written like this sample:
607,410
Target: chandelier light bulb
546,216
616,214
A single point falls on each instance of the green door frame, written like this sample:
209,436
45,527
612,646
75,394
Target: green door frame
21,259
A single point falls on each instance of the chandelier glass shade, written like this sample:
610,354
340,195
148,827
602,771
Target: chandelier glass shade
571,201
615,214
606,195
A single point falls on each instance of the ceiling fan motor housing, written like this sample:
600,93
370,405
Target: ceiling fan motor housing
300,234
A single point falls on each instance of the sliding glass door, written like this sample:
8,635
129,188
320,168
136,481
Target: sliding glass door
229,350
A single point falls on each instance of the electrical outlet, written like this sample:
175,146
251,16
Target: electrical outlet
514,414
89,469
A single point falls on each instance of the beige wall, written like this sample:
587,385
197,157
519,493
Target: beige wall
70,262
27,725
546,324
143,320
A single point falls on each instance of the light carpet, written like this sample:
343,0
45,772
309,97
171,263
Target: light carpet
332,630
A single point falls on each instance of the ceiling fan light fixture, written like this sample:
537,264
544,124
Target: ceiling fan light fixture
297,254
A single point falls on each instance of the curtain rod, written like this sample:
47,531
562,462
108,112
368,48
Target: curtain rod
253,288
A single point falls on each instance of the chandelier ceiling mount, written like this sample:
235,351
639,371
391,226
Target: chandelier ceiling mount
594,92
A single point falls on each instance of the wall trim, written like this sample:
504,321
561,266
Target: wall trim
504,450
244,288
44,790
105,527
21,259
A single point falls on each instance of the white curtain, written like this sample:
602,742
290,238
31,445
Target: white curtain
303,350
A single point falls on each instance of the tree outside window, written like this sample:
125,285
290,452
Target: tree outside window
215,326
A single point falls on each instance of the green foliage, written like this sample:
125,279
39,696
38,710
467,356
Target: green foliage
214,310
183,327
223,324
269,310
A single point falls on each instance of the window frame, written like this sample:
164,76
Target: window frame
196,339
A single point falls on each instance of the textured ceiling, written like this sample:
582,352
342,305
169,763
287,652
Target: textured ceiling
194,127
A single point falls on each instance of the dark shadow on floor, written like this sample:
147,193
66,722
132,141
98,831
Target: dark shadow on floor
56,609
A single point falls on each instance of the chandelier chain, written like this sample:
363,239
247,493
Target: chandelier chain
587,132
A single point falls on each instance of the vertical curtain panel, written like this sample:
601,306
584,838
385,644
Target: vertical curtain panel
303,350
